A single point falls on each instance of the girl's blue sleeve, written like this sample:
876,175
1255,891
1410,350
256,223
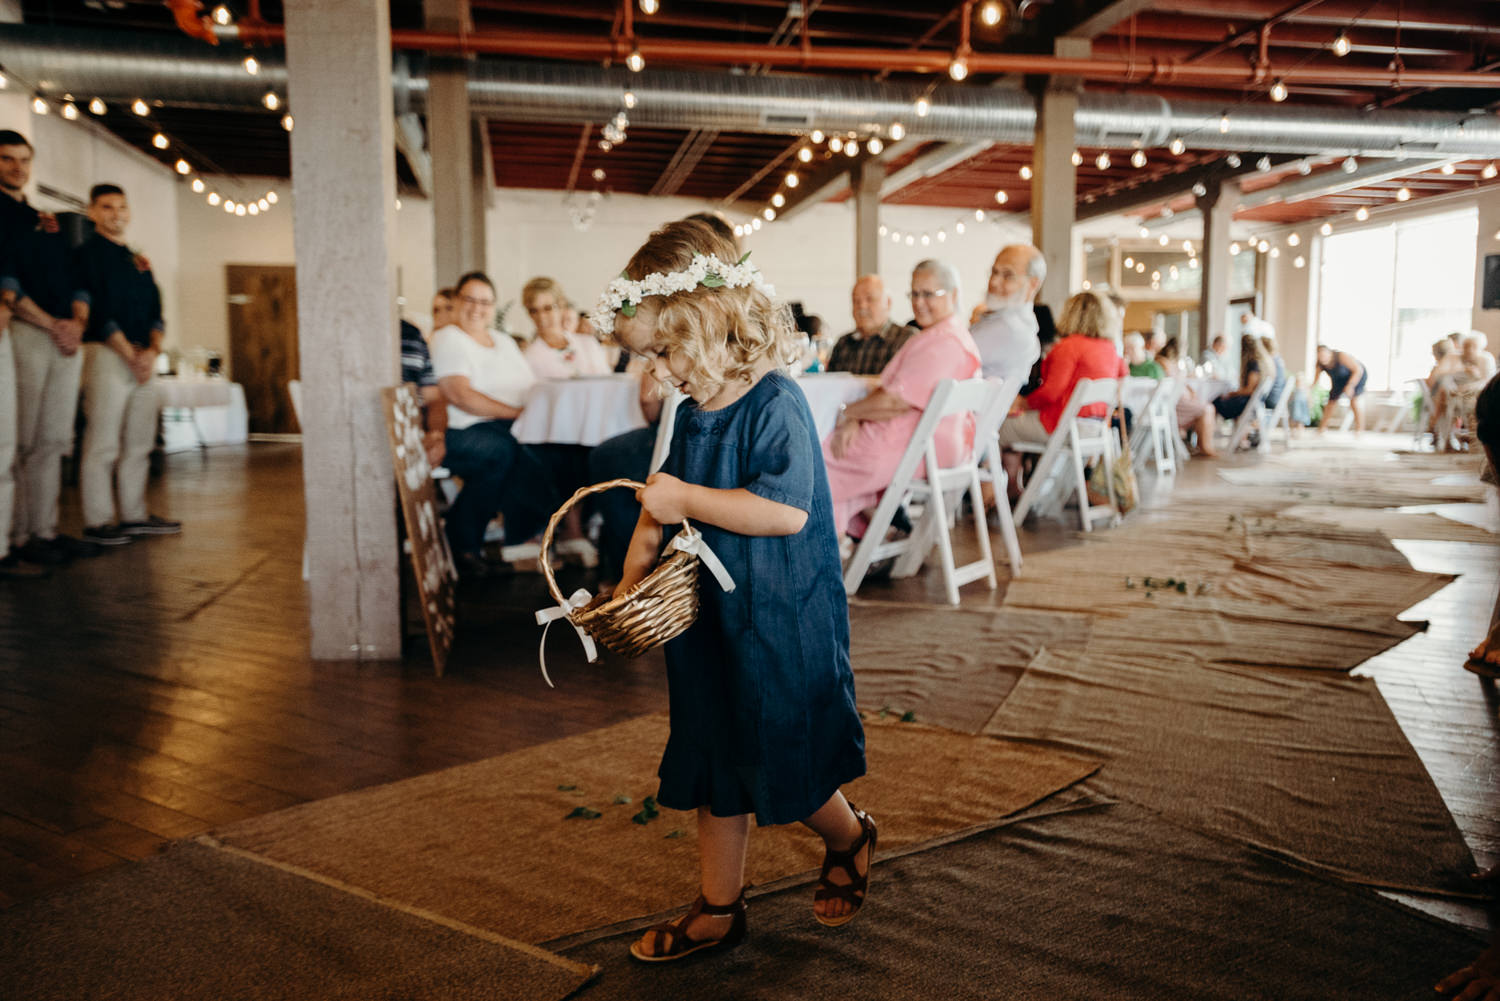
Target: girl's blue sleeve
780,465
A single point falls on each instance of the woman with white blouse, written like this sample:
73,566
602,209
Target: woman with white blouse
485,379
558,352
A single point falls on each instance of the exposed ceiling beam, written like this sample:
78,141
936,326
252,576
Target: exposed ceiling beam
411,145
684,161
1166,188
938,161
1106,18
832,179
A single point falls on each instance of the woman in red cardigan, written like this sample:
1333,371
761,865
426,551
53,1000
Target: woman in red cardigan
1084,351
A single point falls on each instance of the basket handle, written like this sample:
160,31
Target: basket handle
556,519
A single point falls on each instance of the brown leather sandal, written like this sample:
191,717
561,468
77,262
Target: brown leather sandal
679,945
854,890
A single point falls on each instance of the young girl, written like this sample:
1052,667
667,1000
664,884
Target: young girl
761,694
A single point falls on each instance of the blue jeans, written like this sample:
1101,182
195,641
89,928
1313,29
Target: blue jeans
488,458
625,456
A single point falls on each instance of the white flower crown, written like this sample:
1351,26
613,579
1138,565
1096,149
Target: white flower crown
623,295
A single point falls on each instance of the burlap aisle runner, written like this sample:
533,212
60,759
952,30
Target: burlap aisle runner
492,844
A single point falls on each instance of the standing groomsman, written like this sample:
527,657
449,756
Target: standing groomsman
46,334
121,399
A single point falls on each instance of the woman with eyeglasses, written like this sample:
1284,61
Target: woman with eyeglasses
559,351
485,380
862,452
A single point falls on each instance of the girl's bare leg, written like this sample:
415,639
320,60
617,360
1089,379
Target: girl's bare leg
839,828
1206,434
721,862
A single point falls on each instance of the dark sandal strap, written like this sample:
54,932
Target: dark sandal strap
677,927
847,861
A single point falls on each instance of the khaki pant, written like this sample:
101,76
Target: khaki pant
47,399
122,417
7,437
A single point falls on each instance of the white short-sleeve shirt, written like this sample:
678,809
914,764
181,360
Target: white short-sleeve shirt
583,356
500,372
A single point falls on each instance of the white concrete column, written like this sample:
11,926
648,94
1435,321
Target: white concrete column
344,226
1218,207
458,225
1053,192
865,181
1486,321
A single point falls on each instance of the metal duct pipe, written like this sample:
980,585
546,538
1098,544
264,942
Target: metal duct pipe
178,71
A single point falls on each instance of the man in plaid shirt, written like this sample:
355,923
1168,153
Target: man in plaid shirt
867,348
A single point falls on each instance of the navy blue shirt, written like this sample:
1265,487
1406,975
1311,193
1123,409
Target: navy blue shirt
122,295
35,263
416,361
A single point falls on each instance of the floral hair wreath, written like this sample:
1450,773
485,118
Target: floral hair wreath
623,295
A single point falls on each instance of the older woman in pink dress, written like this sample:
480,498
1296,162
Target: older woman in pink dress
862,452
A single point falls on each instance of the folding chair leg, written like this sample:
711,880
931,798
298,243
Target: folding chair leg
1083,484
1001,482
859,563
982,526
937,517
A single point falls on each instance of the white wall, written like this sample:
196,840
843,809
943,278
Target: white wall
71,157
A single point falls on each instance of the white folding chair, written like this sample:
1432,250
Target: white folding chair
1425,410
1082,438
1156,426
1277,417
1239,432
942,485
987,433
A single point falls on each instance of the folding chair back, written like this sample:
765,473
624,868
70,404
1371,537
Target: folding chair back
1155,425
1082,438
972,396
1250,416
1278,416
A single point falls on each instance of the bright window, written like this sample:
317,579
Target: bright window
1388,292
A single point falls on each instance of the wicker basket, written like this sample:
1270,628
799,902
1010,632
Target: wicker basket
660,606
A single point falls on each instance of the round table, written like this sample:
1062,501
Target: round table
585,410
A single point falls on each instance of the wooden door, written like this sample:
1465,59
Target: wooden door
263,341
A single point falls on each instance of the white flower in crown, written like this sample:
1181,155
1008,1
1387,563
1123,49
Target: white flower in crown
623,295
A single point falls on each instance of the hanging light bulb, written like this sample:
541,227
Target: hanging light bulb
1156,276
792,180
1234,248
1278,91
755,224
39,106
1102,161
911,241
1275,251
836,144
942,236
97,107
958,227
1223,123
1326,229
4,81
979,215
270,100
1341,45
851,148
1304,168
739,230
272,197
1200,189
1001,198
229,206
990,14
1178,147
1263,246
605,145
239,210
251,64
926,240
1299,262
1403,194
1446,168
874,145
621,121
923,106
1350,165
1129,263
1163,240
805,154
1233,159
958,68
817,136
1166,212
1187,247
183,167
1361,213
1077,158
1140,267
1263,164
769,214
778,199
1489,171
598,174
213,198
286,121
1144,232
160,141
254,207
1192,262
1293,239
628,99
140,107
635,61
649,7
198,185
898,131
221,15
1138,159
884,229
1025,172
896,237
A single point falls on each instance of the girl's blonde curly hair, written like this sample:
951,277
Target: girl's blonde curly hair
726,333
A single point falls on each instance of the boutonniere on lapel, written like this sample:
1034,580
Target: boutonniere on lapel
142,263
47,222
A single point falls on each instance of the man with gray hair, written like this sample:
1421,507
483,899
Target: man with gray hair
1005,328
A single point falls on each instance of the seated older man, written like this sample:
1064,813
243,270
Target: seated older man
862,452
874,341
1005,326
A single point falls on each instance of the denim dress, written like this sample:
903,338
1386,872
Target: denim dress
761,693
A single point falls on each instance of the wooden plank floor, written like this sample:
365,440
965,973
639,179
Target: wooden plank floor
165,689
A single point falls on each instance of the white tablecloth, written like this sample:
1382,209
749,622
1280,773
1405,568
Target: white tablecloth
1137,390
583,411
201,412
1208,387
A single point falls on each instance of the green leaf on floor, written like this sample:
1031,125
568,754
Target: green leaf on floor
567,788
677,833
622,800
909,716
584,813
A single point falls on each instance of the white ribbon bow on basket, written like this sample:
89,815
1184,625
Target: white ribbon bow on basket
689,541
